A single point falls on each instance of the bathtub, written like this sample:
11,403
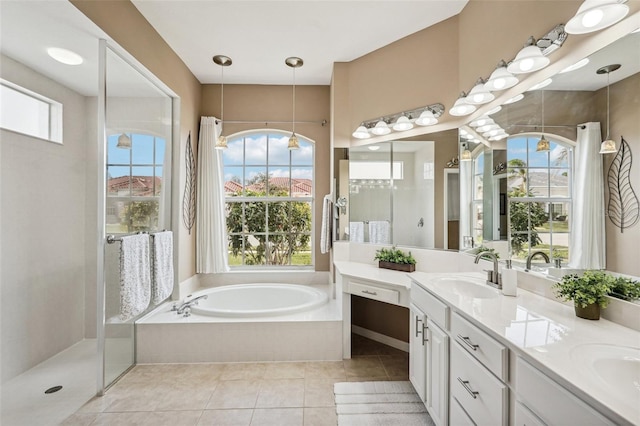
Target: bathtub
258,300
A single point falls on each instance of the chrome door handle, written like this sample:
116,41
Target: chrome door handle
424,333
465,385
373,293
467,342
417,329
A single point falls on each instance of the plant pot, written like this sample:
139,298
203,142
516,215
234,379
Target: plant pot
404,267
590,312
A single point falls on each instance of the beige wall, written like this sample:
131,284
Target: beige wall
122,21
263,104
383,318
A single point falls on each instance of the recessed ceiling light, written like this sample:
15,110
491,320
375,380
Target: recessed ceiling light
65,56
581,63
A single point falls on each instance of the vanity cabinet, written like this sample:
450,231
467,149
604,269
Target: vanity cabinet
437,383
417,352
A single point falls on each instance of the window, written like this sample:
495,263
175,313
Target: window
539,185
477,203
134,183
29,113
269,200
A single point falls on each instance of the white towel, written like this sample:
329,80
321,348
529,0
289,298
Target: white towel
135,278
356,232
162,282
325,230
379,232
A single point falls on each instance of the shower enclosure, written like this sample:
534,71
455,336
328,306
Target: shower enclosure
134,192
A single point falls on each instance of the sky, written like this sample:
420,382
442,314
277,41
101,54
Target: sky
140,154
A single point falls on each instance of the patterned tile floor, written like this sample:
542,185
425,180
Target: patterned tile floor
286,393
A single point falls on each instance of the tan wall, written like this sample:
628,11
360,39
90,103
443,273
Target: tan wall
383,318
262,103
124,23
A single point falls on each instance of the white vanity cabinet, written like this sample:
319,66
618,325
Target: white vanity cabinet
417,351
437,383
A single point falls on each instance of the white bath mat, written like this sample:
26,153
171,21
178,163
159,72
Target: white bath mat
379,403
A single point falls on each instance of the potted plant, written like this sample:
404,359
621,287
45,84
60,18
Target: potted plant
395,259
625,288
588,292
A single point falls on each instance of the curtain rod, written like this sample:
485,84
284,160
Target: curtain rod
267,122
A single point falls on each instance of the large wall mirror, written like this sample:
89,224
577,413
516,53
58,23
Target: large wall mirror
518,200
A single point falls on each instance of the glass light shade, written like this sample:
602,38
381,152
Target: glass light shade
402,124
501,79
124,141
594,15
493,132
487,127
293,142
494,110
426,119
381,128
221,143
466,155
479,95
529,59
543,145
461,107
540,85
608,147
499,136
515,99
581,63
361,133
482,121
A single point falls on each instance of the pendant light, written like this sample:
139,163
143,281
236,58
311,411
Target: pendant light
466,154
594,15
529,59
608,146
124,141
543,143
294,62
501,78
223,61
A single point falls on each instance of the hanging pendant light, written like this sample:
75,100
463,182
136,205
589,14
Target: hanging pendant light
594,15
543,143
529,59
124,141
608,146
223,61
294,62
466,154
501,78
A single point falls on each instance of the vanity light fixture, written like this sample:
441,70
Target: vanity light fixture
294,62
540,85
461,107
482,121
529,59
608,146
466,154
426,118
361,133
501,78
374,147
515,99
581,63
124,141
479,95
402,124
381,128
543,143
65,56
494,110
594,15
487,127
223,61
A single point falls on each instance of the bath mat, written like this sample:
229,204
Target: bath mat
379,403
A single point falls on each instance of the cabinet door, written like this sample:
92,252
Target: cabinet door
417,351
437,373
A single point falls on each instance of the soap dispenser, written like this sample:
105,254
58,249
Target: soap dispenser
509,280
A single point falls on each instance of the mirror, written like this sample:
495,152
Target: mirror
573,97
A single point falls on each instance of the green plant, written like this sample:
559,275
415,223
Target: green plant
481,248
625,289
394,255
592,287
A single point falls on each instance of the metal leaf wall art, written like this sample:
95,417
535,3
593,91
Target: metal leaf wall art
623,208
189,197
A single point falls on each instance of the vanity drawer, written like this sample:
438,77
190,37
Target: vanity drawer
483,397
435,310
524,416
484,348
457,416
373,292
552,403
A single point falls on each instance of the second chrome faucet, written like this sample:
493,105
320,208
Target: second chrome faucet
493,277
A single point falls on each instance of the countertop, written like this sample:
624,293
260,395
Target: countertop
370,272
549,334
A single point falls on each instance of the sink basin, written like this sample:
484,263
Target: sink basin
466,286
617,367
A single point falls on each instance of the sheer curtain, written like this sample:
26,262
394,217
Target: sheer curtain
587,245
211,231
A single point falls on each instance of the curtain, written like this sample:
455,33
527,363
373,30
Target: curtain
211,230
587,245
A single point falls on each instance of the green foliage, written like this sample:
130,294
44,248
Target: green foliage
625,289
525,217
394,255
482,248
140,215
591,287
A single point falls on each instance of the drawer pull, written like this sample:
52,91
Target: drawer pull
424,334
373,293
417,328
467,342
465,385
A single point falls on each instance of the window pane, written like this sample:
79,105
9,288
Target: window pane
233,181
234,154
142,182
23,113
235,219
279,152
302,185
517,150
118,181
255,150
117,155
559,155
300,217
538,183
278,217
256,181
160,150
537,159
115,223
142,149
158,182
254,249
304,155
302,245
559,182
279,186
255,217
477,187
140,216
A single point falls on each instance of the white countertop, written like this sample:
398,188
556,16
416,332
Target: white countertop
370,272
549,334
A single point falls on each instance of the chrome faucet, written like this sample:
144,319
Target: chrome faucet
493,277
185,307
532,255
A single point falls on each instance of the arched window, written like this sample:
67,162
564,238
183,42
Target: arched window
269,199
539,190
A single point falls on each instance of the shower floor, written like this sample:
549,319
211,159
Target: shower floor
24,401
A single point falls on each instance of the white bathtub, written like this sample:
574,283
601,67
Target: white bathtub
258,300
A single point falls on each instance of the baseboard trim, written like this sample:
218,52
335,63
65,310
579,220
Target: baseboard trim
380,338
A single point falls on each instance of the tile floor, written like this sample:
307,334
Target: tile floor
285,393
